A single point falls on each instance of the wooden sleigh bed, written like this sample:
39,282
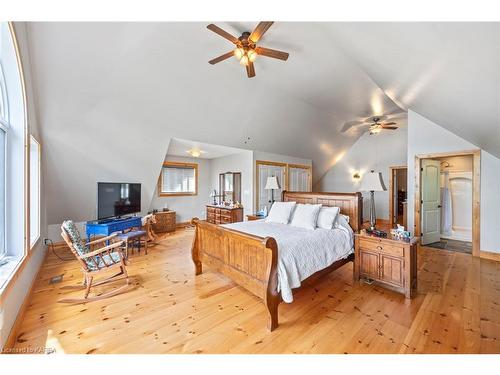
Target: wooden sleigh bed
251,261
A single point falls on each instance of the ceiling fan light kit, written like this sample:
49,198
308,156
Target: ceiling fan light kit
246,50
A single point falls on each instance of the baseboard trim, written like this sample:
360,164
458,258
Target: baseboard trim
489,255
183,224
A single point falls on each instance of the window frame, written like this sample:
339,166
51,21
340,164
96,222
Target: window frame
39,168
3,195
4,126
175,164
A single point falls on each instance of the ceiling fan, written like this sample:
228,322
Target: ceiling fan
246,50
372,124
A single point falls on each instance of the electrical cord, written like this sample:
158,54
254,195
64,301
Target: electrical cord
50,244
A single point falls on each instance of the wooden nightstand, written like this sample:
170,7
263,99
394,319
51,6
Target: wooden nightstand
254,217
390,262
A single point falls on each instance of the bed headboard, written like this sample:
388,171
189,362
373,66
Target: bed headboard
351,204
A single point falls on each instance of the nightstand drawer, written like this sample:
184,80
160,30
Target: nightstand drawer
380,246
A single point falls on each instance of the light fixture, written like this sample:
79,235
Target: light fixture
272,184
372,182
356,176
252,55
375,130
239,52
194,152
244,60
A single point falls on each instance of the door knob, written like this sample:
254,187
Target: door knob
439,206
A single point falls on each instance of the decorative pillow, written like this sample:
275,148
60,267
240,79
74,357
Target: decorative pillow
327,216
280,212
305,216
74,236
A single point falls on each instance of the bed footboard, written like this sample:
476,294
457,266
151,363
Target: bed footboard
250,261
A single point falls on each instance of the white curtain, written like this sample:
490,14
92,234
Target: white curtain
446,213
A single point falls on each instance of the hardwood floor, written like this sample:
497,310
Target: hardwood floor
457,310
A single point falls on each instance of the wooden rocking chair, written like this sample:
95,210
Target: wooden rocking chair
94,262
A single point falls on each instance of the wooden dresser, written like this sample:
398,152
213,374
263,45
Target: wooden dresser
165,222
391,262
223,215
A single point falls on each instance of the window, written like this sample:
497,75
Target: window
13,158
4,126
34,191
178,179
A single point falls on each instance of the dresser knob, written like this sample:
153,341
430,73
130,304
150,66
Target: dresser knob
379,247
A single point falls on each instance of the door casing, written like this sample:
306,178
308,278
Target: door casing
476,193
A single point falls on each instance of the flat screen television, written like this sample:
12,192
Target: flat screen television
116,199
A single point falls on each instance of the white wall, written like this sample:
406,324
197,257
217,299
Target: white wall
189,206
11,303
242,162
377,152
424,136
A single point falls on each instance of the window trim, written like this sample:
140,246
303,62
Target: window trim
5,128
7,287
39,166
178,164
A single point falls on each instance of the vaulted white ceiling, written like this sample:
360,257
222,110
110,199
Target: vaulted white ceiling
111,95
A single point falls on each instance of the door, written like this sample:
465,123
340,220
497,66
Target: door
391,270
299,178
264,197
431,201
369,264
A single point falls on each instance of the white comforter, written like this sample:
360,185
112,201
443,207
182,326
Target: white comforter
301,252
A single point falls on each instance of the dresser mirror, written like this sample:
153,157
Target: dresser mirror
230,186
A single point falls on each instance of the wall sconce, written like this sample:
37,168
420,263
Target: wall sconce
356,176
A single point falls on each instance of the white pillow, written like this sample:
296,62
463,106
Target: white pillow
305,216
343,222
327,216
280,212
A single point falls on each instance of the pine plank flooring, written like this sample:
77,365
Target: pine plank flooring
457,310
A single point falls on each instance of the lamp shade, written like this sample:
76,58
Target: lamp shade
372,182
272,183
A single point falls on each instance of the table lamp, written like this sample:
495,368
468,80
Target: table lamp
272,184
372,182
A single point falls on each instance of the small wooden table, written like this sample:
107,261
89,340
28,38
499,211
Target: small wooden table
388,261
255,217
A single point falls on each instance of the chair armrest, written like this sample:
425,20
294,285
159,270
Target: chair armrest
107,238
103,250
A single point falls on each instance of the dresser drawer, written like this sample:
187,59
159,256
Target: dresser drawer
225,219
380,246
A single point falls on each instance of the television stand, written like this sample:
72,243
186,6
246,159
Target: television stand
108,226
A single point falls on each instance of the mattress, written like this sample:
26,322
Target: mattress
301,252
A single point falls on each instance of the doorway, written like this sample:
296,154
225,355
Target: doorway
398,177
447,198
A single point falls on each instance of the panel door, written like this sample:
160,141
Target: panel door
264,197
369,264
299,179
431,201
391,270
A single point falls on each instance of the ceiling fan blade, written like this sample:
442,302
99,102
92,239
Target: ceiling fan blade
389,127
349,124
260,30
222,33
388,123
272,53
221,58
250,70
363,128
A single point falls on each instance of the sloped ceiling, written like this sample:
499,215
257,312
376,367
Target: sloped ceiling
447,72
111,95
